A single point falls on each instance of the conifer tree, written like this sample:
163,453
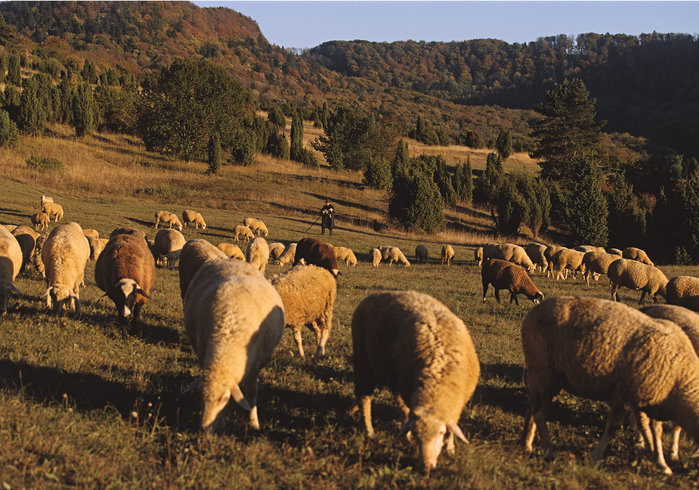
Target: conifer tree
296,147
214,151
84,110
32,117
586,208
503,143
8,130
443,179
401,161
14,75
3,67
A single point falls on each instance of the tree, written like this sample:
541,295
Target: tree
416,202
443,179
276,117
32,117
89,72
503,143
84,110
401,161
14,75
214,150
242,148
567,128
627,221
491,179
378,174
296,146
511,208
586,205
463,181
8,130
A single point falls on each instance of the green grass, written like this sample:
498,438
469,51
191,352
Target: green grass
84,403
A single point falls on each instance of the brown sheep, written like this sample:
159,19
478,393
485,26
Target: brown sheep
315,252
506,275
26,237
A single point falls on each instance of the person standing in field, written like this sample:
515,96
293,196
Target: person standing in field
327,217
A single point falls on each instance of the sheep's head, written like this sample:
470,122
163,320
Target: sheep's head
215,396
5,291
62,299
124,296
429,432
538,298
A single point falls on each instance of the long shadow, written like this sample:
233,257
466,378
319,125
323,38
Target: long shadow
347,204
325,373
139,221
14,212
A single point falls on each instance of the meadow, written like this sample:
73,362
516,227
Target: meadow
85,402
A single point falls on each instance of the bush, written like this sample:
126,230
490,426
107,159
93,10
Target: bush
378,174
681,256
417,204
45,164
8,130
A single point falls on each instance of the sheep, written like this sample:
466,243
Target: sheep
609,352
125,230
421,253
26,237
10,264
234,319
244,232
688,321
194,254
125,271
478,255
276,249
256,226
375,255
506,275
683,291
510,252
38,262
257,253
414,345
597,263
614,251
346,254
40,220
447,254
168,246
589,248
45,199
308,293
550,251
96,246
395,254
637,254
535,252
189,216
231,251
64,255
10,228
567,259
315,252
91,232
288,256
53,209
636,276
167,218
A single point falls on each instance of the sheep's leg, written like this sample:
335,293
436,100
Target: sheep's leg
324,334
643,425
249,387
643,295
675,451
365,403
615,289
485,289
497,294
586,276
657,429
299,341
513,297
616,415
534,405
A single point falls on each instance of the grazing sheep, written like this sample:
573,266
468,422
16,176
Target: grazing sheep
167,218
346,254
550,251
637,277
243,232
597,263
276,249
189,216
91,232
125,230
257,253
125,271
375,255
256,226
394,254
308,293
589,248
535,252
194,254
10,264
168,246
53,209
421,253
478,255
40,220
447,254
45,199
96,246
683,291
26,237
568,259
38,262
637,254
234,319
315,252
231,251
64,255
506,275
510,252
614,251
609,352
288,256
412,344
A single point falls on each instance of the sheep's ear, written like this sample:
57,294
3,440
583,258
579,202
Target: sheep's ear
239,397
197,384
451,425
141,291
15,290
407,427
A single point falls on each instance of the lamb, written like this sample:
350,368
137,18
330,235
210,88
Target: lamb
125,271
395,254
421,253
194,254
231,251
478,255
346,254
40,220
447,254
610,352
189,216
567,259
256,226
315,252
506,275
167,218
45,199
64,255
53,209
168,246
26,237
597,263
96,246
257,253
288,256
234,319
683,291
636,276
308,293
414,345
10,264
244,232
375,255
535,252
637,254
91,232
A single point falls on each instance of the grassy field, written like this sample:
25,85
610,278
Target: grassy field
83,403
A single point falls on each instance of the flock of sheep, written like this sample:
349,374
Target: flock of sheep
643,360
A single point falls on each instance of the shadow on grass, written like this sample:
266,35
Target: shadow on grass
14,212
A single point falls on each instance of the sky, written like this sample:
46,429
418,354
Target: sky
301,25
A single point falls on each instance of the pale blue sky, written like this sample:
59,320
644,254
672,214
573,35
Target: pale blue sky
295,24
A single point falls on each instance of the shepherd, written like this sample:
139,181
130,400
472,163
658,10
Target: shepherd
327,218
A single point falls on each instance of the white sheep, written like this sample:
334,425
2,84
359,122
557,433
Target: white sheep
447,254
168,246
276,249
257,253
610,352
194,254
26,237
535,251
308,293
597,263
550,251
64,255
256,226
189,216
375,255
40,220
421,254
510,252
234,319
614,251
45,199
478,255
394,254
637,254
412,344
567,259
96,246
53,209
288,256
232,251
10,264
683,291
91,232
242,231
589,248
167,218
346,254
637,277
